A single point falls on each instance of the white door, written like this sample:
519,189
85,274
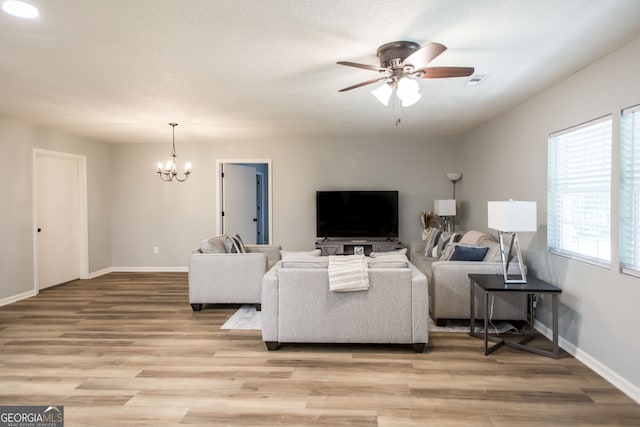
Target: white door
58,218
239,201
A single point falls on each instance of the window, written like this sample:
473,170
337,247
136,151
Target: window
630,192
579,192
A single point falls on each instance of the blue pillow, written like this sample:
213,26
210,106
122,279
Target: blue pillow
468,253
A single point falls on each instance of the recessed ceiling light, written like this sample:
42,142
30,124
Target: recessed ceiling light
20,9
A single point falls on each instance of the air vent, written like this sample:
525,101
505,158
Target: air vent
475,79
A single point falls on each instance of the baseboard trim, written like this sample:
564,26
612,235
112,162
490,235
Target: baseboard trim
18,297
605,372
150,269
99,273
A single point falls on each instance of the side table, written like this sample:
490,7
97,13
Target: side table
494,283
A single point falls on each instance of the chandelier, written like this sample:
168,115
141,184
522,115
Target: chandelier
168,171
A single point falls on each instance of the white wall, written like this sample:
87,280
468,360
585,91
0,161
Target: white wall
507,158
176,216
17,141
16,215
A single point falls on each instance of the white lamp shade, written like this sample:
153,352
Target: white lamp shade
512,216
454,176
445,207
407,88
383,93
408,101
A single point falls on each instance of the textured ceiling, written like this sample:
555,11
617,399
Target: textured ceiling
120,70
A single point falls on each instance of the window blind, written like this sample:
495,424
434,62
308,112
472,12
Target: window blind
630,191
579,192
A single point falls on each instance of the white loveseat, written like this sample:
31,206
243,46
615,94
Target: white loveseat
219,277
298,307
449,282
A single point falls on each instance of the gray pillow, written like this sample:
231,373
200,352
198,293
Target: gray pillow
213,245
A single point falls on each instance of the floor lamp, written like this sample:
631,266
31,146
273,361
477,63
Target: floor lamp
511,217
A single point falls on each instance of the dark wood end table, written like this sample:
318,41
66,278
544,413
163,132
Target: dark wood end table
494,283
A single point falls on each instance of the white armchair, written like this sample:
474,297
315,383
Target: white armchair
229,278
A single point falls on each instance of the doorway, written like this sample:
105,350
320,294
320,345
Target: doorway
244,199
59,218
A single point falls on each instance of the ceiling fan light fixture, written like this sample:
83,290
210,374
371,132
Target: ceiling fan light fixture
408,101
383,93
407,89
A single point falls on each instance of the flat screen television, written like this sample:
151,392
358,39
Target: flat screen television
357,214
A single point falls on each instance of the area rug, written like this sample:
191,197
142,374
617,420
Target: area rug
247,318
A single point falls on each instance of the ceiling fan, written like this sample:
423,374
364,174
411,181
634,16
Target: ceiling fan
401,63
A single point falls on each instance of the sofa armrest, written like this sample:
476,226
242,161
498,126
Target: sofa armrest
451,285
226,278
269,300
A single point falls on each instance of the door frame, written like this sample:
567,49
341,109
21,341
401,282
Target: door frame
219,163
83,226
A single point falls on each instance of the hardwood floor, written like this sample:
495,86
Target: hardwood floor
126,349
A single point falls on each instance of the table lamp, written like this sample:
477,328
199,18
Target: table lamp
510,217
445,209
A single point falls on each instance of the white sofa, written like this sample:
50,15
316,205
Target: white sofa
218,277
449,283
298,307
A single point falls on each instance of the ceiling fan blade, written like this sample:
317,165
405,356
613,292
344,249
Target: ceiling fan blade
363,66
421,57
444,72
368,82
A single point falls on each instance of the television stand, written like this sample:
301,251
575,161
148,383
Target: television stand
342,246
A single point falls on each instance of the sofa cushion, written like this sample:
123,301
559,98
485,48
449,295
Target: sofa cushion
213,245
303,260
468,253
315,252
390,260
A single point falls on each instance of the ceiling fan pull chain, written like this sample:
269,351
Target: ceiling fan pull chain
397,114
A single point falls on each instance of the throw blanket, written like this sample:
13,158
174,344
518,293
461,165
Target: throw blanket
348,273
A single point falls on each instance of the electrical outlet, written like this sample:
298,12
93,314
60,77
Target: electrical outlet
156,250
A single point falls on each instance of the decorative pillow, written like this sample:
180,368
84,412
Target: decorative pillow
468,253
444,239
213,245
448,251
234,245
402,251
243,250
432,241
